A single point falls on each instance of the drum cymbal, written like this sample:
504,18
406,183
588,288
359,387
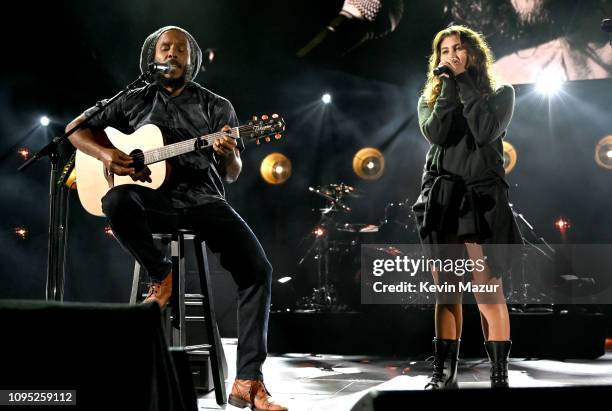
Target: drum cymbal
358,228
340,189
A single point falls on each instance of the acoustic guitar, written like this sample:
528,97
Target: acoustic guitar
146,147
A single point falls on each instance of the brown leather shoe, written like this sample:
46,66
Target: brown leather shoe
253,393
160,291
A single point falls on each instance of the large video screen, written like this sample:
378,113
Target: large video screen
533,38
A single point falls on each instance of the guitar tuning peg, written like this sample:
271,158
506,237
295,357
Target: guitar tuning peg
264,117
278,136
274,115
267,139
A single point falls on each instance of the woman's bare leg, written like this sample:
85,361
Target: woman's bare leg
493,309
448,317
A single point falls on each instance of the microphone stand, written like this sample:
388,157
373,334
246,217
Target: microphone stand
548,254
57,221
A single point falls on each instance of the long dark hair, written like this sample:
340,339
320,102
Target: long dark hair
480,61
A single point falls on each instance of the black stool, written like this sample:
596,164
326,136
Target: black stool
175,320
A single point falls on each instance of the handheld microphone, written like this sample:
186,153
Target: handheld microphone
357,22
606,26
442,69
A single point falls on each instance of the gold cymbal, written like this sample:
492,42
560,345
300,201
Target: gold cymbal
340,189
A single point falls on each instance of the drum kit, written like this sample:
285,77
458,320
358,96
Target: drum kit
336,244
335,249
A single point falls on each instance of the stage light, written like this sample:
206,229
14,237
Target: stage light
603,153
318,231
562,224
209,56
108,231
24,152
21,232
44,121
275,168
326,98
550,81
369,163
510,156
284,280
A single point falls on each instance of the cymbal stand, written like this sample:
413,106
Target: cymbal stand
324,296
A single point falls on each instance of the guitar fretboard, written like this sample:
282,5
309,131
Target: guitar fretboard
183,147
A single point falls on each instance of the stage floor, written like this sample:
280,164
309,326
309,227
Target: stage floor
307,382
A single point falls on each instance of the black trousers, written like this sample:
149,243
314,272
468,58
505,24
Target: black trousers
135,212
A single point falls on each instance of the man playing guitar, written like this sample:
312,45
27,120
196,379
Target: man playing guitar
192,195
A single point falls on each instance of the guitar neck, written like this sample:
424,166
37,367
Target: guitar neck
187,146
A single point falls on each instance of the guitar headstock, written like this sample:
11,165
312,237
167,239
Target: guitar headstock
265,127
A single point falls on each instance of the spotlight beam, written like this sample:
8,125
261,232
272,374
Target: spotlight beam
550,81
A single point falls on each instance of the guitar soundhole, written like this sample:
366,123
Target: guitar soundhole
138,157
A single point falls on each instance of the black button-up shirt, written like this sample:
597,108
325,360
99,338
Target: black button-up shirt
194,177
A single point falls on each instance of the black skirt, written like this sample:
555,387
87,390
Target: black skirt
453,209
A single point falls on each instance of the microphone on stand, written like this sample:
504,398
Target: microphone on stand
358,21
160,67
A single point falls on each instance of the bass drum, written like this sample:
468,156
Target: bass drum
398,227
346,264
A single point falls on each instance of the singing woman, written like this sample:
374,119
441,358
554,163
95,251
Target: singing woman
464,113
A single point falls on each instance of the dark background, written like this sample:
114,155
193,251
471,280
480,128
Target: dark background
61,57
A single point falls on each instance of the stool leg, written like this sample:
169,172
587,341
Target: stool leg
178,272
217,356
135,283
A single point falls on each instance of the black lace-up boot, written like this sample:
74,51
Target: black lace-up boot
498,352
446,359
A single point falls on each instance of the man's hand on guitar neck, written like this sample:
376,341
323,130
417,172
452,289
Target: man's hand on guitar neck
225,145
119,163
226,148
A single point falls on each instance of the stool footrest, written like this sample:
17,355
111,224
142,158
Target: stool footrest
194,303
194,296
195,318
203,347
182,303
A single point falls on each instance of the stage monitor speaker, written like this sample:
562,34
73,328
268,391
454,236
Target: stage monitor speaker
113,355
483,398
186,377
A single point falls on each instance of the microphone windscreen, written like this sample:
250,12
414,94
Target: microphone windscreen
441,70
